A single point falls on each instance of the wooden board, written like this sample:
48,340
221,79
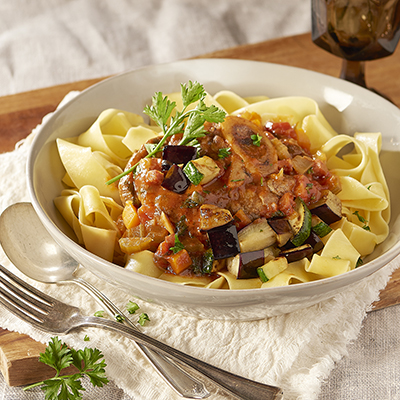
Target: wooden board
20,113
19,359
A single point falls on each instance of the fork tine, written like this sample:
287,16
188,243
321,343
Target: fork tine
21,300
9,303
33,307
50,301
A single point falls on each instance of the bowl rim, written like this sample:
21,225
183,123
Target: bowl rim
364,270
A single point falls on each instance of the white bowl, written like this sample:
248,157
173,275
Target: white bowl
349,108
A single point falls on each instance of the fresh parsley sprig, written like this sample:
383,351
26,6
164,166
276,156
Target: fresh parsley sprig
88,362
190,122
224,152
256,139
178,245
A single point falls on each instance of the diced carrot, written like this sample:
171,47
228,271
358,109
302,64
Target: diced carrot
180,261
253,117
130,215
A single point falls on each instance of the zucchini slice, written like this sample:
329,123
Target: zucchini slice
272,268
300,222
202,170
320,227
192,173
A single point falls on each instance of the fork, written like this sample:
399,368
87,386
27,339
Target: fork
55,317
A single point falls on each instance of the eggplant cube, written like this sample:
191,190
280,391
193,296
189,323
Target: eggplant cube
315,242
175,180
297,253
212,216
328,208
179,154
224,241
282,229
244,265
256,236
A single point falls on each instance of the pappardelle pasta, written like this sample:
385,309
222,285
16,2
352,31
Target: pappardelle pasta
244,193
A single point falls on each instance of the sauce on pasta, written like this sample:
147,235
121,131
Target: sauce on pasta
268,164
254,180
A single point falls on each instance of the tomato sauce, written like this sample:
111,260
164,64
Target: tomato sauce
247,188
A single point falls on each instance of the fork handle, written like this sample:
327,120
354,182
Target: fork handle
241,388
185,385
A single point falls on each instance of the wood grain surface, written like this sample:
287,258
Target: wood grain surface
19,360
22,112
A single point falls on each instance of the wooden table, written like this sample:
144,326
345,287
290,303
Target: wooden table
20,113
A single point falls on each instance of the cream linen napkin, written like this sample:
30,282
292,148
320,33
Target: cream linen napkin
295,352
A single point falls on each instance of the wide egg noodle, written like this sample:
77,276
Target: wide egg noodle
295,273
206,282
255,99
364,241
345,166
230,101
237,284
364,194
107,132
138,135
355,195
84,168
373,171
92,218
143,263
68,204
328,266
339,246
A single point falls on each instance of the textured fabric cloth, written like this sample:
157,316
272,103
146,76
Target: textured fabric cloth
48,42
371,369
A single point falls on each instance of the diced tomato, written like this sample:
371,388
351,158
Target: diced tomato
320,170
287,165
282,130
164,247
306,189
287,204
145,213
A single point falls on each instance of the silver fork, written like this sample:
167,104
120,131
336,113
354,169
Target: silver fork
53,316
